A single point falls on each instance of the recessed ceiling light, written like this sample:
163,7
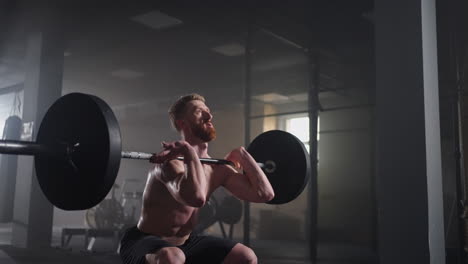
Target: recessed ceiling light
271,98
127,74
157,20
231,49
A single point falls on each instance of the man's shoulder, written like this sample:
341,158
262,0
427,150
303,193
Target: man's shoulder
168,170
174,163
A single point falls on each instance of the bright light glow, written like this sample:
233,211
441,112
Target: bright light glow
299,126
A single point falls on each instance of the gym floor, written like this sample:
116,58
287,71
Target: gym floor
269,252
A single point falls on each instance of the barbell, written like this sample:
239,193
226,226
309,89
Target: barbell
78,149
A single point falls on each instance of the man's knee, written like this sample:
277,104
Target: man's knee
241,254
169,255
248,256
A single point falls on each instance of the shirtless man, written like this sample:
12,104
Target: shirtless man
176,190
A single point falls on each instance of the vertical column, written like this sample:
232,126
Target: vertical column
408,155
313,105
247,110
33,214
433,144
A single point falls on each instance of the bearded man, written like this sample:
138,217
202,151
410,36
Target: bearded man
176,190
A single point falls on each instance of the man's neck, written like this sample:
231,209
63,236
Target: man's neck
201,147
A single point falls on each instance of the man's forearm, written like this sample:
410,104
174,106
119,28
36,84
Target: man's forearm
194,186
256,176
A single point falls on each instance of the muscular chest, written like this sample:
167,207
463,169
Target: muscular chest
214,176
158,193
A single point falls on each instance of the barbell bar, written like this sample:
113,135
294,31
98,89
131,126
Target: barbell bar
77,154
18,147
147,156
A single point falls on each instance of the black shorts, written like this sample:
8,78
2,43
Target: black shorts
197,249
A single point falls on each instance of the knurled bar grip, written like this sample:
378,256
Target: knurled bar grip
147,156
136,155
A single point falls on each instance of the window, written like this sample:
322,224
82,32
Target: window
298,125
10,104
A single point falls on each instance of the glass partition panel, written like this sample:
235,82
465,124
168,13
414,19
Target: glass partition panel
294,61
279,91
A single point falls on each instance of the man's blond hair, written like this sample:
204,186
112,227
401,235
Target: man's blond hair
177,110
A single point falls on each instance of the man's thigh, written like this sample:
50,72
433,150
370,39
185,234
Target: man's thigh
135,245
206,249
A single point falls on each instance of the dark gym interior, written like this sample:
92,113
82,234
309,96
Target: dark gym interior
374,90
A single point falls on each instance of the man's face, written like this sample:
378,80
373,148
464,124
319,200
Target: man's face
198,117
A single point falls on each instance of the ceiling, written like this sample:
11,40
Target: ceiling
112,53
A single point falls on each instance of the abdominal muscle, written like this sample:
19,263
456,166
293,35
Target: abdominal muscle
163,216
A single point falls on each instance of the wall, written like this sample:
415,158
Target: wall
345,176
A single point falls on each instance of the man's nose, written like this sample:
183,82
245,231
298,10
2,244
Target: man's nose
207,115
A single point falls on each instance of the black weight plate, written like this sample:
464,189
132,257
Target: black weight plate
84,180
292,163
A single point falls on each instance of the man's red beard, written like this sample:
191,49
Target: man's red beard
206,134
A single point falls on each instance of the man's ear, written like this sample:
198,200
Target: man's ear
180,124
